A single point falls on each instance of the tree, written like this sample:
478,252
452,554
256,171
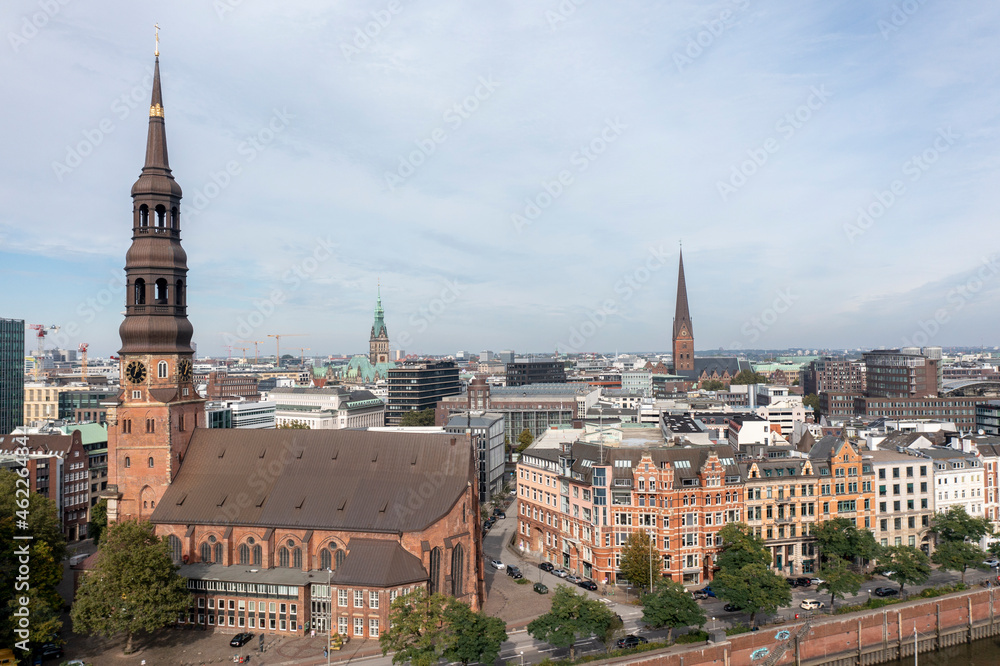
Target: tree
811,400
958,556
133,587
417,632
98,521
748,377
838,579
956,524
754,589
524,440
639,557
672,607
422,418
295,425
904,565
572,616
46,551
740,547
712,385
840,537
474,636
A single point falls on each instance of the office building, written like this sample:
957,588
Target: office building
11,374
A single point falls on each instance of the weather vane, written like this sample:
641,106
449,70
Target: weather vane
157,51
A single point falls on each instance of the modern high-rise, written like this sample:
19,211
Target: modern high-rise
529,371
900,373
834,374
11,374
418,386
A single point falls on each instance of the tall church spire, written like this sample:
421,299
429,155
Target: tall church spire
378,342
683,337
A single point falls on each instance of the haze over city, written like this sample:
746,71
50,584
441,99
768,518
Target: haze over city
511,172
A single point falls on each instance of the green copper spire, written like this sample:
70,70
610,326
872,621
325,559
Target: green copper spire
378,329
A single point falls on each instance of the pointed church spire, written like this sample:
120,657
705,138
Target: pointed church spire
156,140
681,315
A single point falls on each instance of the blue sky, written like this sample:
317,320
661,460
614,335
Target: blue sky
517,175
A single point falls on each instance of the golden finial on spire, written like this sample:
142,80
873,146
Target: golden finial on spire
157,51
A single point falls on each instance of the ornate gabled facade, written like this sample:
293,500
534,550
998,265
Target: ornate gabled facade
378,342
158,408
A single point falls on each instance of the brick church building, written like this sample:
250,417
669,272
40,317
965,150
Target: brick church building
279,531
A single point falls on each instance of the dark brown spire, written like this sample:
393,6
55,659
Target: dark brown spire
156,264
682,316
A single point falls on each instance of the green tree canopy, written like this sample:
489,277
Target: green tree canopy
904,565
740,547
98,521
473,636
748,377
423,418
524,440
712,385
671,606
753,588
811,400
639,560
956,524
839,579
294,425
417,632
23,513
840,537
133,587
572,616
958,556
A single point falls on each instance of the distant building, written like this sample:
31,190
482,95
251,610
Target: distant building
835,375
507,356
487,438
900,373
529,371
419,385
332,408
988,417
638,381
11,374
225,385
378,342
255,414
88,405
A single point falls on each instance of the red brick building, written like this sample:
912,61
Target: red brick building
223,385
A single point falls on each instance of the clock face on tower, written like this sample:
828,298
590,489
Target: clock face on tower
136,372
184,369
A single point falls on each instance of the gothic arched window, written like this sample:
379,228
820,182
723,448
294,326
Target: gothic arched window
435,571
218,553
297,558
244,554
257,555
282,557
206,552
175,548
457,570
161,369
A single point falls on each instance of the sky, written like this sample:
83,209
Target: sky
516,175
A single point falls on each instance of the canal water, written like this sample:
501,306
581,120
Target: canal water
985,652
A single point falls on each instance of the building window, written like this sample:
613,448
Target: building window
359,598
435,571
373,628
128,461
175,553
283,557
457,570
150,461
297,558
244,554
206,552
373,600
359,626
342,598
161,369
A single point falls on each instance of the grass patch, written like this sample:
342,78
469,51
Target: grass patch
738,628
693,636
876,602
523,581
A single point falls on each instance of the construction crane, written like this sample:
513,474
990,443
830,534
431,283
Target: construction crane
244,350
256,348
302,351
83,360
277,344
40,332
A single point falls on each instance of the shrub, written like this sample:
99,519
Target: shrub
738,628
523,581
693,636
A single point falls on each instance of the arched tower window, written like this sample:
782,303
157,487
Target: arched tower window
161,291
297,558
258,555
175,548
435,571
128,461
150,461
161,216
179,293
325,560
244,551
143,215
139,297
175,218
457,570
338,558
161,369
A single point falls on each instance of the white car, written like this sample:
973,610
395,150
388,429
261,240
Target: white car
992,562
816,581
560,572
496,564
811,604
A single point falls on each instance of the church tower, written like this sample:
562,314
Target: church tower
378,342
683,340
158,408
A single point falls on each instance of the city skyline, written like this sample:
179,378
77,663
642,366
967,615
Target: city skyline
729,131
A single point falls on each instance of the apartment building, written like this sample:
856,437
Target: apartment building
905,503
846,482
580,502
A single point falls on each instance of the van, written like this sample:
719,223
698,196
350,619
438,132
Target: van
76,560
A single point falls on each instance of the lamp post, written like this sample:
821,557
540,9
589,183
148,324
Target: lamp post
329,616
522,657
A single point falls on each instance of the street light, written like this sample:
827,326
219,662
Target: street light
522,657
329,615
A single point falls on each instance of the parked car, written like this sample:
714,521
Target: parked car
699,595
50,651
560,572
587,584
886,592
496,564
816,581
546,566
803,582
497,513
731,608
514,572
707,590
541,589
811,604
630,641
573,579
239,640
993,562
